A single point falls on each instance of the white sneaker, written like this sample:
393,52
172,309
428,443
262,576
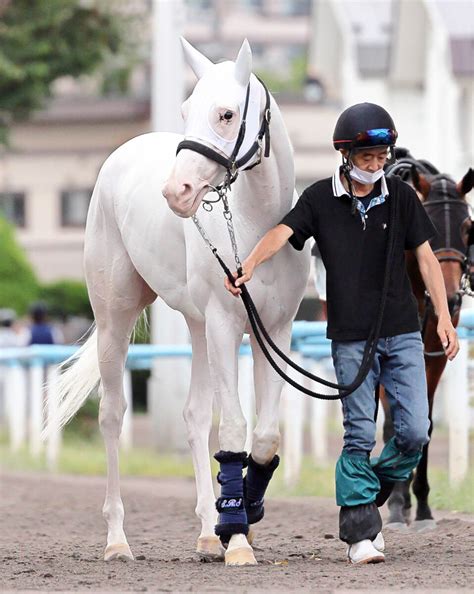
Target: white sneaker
364,552
379,543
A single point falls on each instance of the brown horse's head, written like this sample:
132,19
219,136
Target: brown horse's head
446,204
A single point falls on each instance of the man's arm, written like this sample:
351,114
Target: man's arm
434,282
269,245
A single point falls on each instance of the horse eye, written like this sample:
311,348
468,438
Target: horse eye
228,115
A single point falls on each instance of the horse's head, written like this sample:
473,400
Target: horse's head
213,126
446,204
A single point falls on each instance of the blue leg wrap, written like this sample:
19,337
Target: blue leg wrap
230,505
255,485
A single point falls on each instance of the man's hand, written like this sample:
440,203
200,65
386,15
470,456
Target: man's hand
448,337
247,273
269,245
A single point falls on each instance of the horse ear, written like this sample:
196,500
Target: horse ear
419,181
198,62
243,64
467,182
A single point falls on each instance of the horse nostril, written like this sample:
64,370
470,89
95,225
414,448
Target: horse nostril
186,190
165,190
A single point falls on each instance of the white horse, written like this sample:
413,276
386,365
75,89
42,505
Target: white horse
136,249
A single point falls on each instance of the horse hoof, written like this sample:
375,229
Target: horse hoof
250,536
396,526
210,548
240,557
118,551
420,526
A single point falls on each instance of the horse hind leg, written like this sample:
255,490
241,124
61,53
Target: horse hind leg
117,303
198,418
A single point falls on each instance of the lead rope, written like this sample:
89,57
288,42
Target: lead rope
257,324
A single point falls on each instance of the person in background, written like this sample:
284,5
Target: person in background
9,335
41,331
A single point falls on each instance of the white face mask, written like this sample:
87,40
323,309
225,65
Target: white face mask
365,177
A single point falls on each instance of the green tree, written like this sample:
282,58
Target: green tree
18,283
45,40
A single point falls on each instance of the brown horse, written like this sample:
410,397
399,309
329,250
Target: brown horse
445,203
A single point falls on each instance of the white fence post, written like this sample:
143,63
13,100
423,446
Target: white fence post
54,438
319,415
36,406
293,407
247,396
16,405
126,433
456,378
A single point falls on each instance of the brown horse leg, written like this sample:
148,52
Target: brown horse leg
421,488
399,505
399,502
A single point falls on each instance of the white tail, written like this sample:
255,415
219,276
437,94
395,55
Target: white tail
80,374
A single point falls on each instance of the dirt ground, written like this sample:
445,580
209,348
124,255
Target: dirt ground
53,536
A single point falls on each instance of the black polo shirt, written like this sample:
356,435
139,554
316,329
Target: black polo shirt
354,255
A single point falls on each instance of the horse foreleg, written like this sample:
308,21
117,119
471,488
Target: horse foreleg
399,501
424,519
421,488
266,436
399,505
434,370
198,418
223,343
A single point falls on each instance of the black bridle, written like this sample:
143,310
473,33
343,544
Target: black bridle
231,164
449,201
442,212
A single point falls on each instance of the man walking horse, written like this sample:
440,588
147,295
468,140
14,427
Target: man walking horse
349,215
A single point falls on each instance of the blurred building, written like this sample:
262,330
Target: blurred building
415,57
317,56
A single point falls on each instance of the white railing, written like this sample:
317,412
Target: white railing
23,372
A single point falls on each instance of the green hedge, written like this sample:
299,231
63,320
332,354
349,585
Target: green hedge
19,286
66,298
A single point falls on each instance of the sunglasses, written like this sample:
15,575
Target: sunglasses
375,137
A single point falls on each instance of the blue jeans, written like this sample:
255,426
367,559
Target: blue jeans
399,366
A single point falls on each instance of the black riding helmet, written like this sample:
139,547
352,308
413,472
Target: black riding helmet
364,125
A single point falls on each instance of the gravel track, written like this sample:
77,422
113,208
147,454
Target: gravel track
53,536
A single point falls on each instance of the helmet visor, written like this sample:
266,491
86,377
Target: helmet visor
375,137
